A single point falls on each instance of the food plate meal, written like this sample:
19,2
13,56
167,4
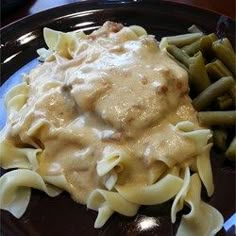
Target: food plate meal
107,117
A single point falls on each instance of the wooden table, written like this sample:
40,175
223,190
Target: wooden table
226,7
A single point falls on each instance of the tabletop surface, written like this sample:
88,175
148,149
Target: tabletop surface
16,9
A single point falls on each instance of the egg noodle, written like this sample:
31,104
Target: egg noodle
107,118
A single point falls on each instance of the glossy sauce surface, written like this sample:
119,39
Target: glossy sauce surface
117,92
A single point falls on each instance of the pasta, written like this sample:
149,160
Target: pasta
179,199
13,157
107,202
190,223
16,98
111,160
15,190
107,118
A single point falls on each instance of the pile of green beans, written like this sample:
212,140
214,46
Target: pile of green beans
210,63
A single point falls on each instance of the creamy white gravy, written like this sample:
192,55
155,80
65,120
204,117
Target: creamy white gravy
118,90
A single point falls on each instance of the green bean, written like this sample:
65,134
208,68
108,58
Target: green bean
220,138
217,69
203,44
192,48
198,74
227,43
226,55
232,93
206,97
181,64
194,29
224,102
178,54
182,40
231,151
206,44
211,118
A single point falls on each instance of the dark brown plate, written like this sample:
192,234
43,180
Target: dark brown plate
60,216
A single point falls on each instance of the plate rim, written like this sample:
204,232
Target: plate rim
109,3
